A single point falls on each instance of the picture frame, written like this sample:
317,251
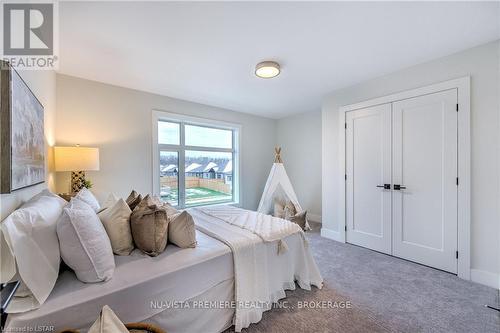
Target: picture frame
22,138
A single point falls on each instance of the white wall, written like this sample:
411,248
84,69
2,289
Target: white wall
43,85
481,63
118,121
300,139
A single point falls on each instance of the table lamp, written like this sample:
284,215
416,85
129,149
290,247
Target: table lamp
77,160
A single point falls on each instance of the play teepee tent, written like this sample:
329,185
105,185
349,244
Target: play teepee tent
278,187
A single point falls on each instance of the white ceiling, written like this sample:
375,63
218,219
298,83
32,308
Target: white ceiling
206,52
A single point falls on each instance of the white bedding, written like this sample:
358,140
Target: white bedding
228,259
261,270
175,275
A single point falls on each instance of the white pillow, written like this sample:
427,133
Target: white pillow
29,235
86,196
116,221
85,246
110,201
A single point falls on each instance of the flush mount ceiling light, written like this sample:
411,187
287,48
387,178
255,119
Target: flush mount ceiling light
267,69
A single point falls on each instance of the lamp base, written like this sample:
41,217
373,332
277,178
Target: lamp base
77,180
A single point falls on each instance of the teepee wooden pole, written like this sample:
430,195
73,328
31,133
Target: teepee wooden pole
277,155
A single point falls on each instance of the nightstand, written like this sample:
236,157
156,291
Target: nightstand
66,196
7,291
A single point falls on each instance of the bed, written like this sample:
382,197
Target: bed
182,284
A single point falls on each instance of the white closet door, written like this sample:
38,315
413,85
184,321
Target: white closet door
425,162
368,165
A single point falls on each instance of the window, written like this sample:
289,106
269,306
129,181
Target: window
195,160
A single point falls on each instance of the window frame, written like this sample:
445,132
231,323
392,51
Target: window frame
181,149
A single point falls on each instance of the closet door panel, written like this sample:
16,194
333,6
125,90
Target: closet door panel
368,165
425,165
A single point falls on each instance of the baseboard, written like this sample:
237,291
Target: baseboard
314,217
486,278
331,234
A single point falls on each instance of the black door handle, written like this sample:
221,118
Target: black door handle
385,186
398,187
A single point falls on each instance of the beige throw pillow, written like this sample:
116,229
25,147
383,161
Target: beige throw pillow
181,229
116,221
279,209
108,322
133,199
290,210
300,219
149,225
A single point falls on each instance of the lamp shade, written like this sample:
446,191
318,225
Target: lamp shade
76,159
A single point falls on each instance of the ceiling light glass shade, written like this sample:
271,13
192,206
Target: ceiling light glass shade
267,69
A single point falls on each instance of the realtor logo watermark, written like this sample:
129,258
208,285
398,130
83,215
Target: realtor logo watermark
29,34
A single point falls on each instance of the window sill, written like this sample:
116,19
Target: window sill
229,203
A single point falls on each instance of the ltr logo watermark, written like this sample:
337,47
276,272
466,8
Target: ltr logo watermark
29,35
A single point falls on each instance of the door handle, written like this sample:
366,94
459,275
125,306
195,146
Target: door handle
385,186
398,187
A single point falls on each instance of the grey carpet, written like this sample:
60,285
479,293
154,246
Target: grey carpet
387,295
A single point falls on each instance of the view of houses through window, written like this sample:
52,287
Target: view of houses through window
206,176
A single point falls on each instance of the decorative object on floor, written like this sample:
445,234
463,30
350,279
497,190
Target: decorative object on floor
108,322
279,189
22,134
277,155
144,328
267,69
77,160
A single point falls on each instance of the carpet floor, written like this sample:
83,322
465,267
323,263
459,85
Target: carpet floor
366,291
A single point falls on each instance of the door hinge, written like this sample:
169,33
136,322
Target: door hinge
345,125
345,176
456,254
345,228
457,107
457,181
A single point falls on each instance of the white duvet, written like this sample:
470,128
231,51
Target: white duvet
257,283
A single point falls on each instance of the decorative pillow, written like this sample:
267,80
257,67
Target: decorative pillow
29,239
149,224
116,221
300,219
279,209
86,196
290,210
84,244
110,201
147,201
181,229
133,199
108,322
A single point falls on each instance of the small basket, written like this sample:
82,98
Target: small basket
143,328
